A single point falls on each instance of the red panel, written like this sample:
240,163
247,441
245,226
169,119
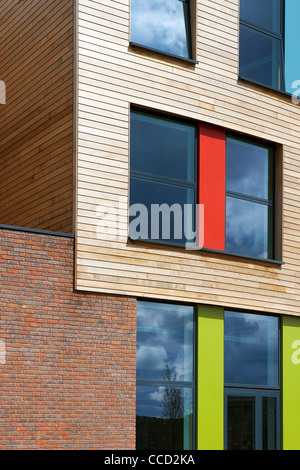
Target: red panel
212,185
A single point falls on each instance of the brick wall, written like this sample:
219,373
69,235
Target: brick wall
68,379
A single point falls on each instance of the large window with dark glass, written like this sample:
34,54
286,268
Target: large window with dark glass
252,381
162,179
269,53
162,25
165,377
165,188
249,198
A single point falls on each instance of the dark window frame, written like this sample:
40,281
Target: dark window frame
179,384
257,391
189,40
256,386
257,200
275,235
258,395
273,35
173,182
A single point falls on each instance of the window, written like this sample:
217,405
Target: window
163,179
194,185
252,381
165,377
162,25
249,198
268,43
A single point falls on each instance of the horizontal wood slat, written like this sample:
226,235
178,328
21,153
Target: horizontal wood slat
36,124
112,76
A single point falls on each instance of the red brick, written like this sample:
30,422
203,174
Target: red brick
70,356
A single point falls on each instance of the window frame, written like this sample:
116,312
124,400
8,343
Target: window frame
178,383
279,36
256,386
258,395
274,226
257,200
174,182
189,39
255,390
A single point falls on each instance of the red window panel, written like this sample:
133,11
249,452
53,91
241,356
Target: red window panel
212,145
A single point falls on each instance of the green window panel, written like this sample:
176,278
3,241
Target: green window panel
290,382
210,377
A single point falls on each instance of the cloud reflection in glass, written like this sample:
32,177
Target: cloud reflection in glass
161,25
164,338
251,349
249,198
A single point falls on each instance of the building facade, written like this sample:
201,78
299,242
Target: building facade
149,224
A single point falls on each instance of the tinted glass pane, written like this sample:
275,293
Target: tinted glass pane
165,212
251,349
269,423
161,25
164,418
260,58
248,169
162,147
248,228
164,342
292,50
240,423
265,14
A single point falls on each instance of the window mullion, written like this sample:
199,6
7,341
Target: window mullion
261,30
258,421
165,383
266,202
162,179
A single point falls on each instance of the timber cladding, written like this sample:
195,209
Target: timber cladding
36,124
113,76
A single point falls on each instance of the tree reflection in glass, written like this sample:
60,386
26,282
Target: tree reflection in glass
165,376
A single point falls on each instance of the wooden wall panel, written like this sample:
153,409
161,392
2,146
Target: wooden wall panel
36,124
112,76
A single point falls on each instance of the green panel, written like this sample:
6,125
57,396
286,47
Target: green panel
210,378
290,383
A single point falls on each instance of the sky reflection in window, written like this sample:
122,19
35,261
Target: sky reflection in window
248,167
247,228
249,198
161,25
164,342
251,349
